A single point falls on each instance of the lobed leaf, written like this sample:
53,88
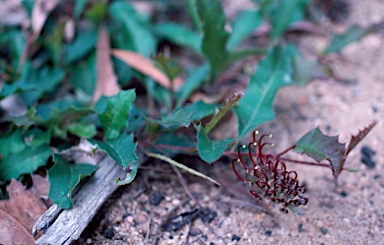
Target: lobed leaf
24,162
339,41
243,25
215,37
115,116
256,106
180,118
122,150
63,178
355,139
180,35
322,147
210,150
200,110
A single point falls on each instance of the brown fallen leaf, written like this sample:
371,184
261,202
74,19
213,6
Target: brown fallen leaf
106,83
23,205
40,186
41,10
147,67
12,232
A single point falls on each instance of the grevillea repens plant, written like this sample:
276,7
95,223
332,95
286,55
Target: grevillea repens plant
268,177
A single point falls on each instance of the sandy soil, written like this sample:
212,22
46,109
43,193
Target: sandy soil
351,212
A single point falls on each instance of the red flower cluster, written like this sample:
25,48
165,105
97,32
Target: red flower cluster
268,177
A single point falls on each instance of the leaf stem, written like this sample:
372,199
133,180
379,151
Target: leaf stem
179,165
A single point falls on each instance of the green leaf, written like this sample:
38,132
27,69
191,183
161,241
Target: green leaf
284,13
210,150
243,25
81,46
24,162
82,129
256,106
17,87
200,110
177,143
63,178
338,42
180,35
193,82
192,10
83,74
79,7
214,35
25,120
45,80
322,147
13,143
122,150
221,113
35,137
136,32
307,70
180,117
115,116
167,67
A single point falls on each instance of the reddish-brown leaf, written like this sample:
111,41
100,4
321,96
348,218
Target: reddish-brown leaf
355,139
12,232
147,67
23,205
106,83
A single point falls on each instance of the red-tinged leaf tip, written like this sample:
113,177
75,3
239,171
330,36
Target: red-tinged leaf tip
322,147
355,139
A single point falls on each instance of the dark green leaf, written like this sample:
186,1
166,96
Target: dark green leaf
210,150
135,29
13,143
214,35
193,82
338,42
256,106
191,6
180,35
79,7
180,117
24,162
82,129
176,143
83,74
45,80
122,150
322,147
17,87
63,178
200,110
221,113
283,14
25,120
35,137
243,25
81,46
115,116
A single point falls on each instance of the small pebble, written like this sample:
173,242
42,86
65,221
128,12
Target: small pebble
235,238
204,237
89,241
195,232
268,233
324,230
343,194
301,228
175,202
110,233
156,198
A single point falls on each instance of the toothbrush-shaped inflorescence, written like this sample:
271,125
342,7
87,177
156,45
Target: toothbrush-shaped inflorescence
268,176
